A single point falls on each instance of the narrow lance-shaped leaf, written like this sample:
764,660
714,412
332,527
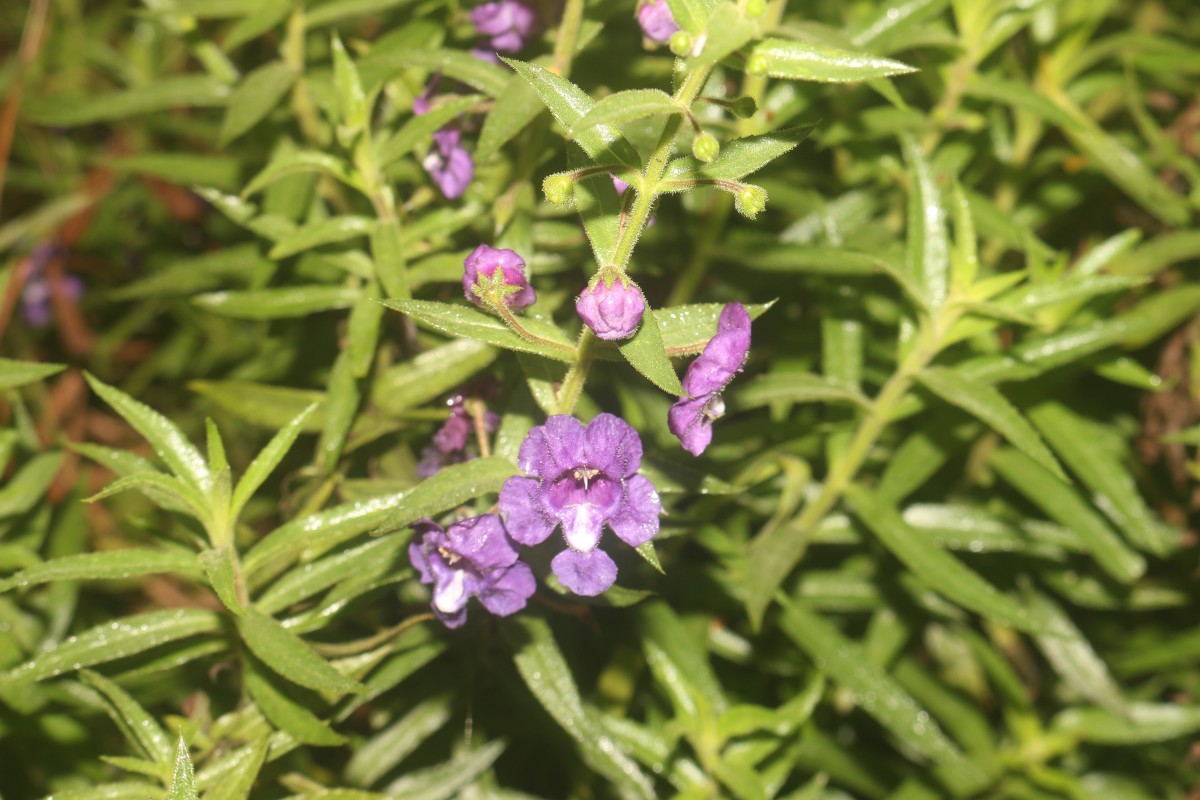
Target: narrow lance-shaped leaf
255,98
806,61
1074,659
986,403
738,158
419,128
167,440
23,490
646,353
627,106
20,373
283,712
105,565
266,461
288,655
238,772
462,321
135,721
928,258
937,569
183,777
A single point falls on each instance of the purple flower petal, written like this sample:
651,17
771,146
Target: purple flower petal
507,22
687,420
552,447
612,446
509,593
612,312
524,516
637,523
483,262
586,574
723,356
483,541
452,436
655,18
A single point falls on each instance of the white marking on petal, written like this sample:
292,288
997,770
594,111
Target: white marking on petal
451,597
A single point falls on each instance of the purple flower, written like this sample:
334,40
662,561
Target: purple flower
37,293
691,418
450,442
655,18
612,306
619,184
484,262
473,558
423,102
581,479
507,22
449,164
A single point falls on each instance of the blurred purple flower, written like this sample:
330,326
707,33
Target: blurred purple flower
37,292
655,18
691,418
613,309
472,558
449,164
582,479
484,261
507,22
619,184
424,101
450,442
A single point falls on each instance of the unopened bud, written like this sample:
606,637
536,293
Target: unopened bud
612,305
705,147
680,43
557,188
744,107
750,200
755,8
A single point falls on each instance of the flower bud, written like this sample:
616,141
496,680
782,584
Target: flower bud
612,306
499,276
756,8
756,65
680,43
655,18
705,147
744,107
557,188
750,200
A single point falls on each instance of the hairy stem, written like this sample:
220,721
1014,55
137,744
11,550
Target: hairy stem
572,385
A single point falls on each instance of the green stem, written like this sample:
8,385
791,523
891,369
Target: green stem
572,385
510,319
568,37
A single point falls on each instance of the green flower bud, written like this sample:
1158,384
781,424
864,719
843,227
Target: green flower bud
557,188
756,65
680,43
744,107
705,147
750,200
756,8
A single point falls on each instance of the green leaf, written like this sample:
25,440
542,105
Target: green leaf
1110,481
255,97
662,627
646,353
166,491
686,329
283,712
289,656
372,760
627,106
137,725
807,61
107,565
383,62
328,231
549,678
20,373
1063,504
738,158
183,777
352,100
446,780
269,406
873,690
937,569
1074,287
336,11
984,402
391,264
221,567
1145,723
516,107
281,303
429,375
690,15
238,771
301,584
295,162
726,30
267,460
167,440
466,322
449,488
109,641
1073,657
569,104
928,255
160,94
419,128
798,387
27,487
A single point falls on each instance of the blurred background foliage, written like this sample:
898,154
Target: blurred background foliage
994,527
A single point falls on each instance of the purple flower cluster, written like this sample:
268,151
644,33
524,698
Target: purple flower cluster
487,265
691,417
471,558
581,479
